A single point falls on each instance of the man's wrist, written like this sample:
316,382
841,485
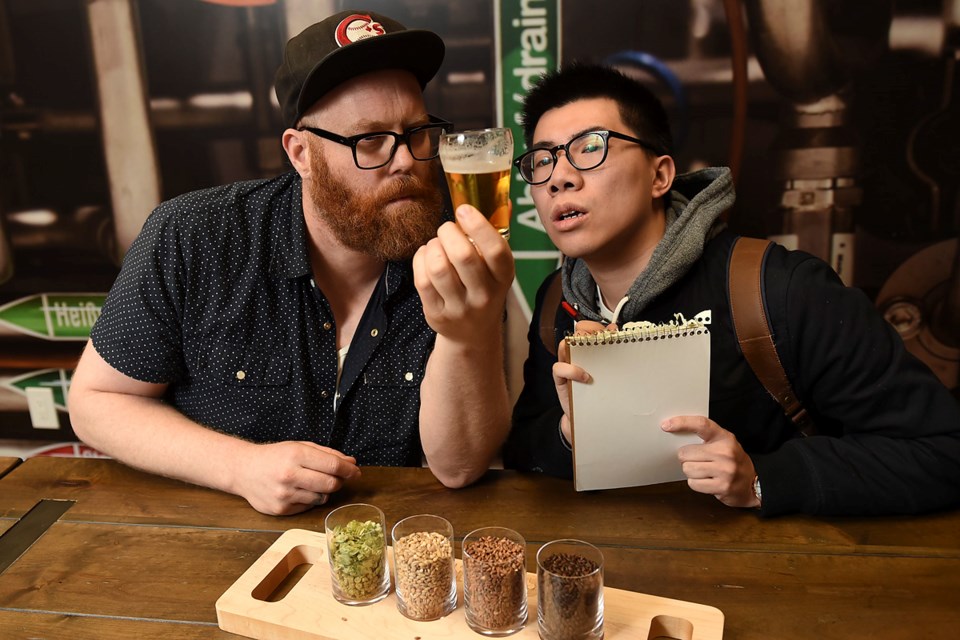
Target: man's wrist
757,492
563,438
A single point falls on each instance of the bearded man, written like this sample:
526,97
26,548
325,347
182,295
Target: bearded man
268,338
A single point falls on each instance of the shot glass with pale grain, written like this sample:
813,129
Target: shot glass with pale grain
423,563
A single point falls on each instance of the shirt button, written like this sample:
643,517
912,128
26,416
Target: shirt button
374,332
324,394
241,374
408,376
327,326
312,283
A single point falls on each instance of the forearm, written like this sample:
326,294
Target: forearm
890,429
464,410
151,435
861,475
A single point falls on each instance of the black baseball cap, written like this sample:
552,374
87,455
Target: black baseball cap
345,45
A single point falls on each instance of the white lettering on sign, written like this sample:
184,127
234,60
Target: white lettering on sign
82,315
533,38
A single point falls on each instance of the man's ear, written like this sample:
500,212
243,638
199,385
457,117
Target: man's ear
665,172
297,151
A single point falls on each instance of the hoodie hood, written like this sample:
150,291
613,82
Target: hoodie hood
696,202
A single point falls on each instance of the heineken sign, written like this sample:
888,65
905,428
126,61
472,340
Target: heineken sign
56,380
53,316
528,45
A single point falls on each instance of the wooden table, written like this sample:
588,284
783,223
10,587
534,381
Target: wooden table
142,556
7,465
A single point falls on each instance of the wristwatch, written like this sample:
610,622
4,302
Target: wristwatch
756,489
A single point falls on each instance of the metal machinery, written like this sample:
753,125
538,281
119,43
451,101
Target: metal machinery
812,51
922,297
843,129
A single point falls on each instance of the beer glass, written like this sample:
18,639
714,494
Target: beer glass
477,166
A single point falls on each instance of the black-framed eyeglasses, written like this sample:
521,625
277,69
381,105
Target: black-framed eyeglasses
374,149
585,151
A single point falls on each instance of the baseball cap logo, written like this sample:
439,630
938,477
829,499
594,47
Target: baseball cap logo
357,27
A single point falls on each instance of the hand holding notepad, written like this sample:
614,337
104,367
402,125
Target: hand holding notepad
640,377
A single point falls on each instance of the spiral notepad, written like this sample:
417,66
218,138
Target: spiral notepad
641,376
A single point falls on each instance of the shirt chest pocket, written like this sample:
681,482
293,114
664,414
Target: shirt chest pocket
400,378
246,366
396,371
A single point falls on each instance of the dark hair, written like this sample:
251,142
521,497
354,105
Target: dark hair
639,108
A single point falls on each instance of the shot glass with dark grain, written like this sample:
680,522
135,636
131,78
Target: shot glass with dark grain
494,581
569,591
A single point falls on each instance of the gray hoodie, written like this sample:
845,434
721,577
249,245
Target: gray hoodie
696,202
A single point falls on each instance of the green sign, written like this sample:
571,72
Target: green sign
54,316
528,44
56,379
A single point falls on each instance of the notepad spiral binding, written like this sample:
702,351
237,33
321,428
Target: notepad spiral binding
638,332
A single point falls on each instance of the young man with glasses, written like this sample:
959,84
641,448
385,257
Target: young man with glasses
643,244
269,338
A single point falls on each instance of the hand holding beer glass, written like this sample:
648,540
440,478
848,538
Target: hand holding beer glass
477,166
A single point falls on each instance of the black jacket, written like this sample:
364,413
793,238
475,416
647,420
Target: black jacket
888,431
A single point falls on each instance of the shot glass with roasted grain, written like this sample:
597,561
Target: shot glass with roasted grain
423,563
569,591
494,581
357,548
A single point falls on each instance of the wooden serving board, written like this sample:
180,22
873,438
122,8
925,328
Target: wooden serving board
308,611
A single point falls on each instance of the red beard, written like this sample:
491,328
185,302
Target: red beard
360,222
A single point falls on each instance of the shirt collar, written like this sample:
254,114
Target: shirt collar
290,258
398,274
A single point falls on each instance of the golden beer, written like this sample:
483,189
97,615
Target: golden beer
488,192
477,166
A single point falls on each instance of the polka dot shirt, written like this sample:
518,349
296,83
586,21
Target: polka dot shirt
216,299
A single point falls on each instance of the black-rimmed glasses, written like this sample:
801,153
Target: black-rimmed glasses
374,149
586,151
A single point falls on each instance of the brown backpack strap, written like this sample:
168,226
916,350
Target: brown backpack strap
548,314
753,328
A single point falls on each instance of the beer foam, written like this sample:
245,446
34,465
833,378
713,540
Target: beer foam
457,163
